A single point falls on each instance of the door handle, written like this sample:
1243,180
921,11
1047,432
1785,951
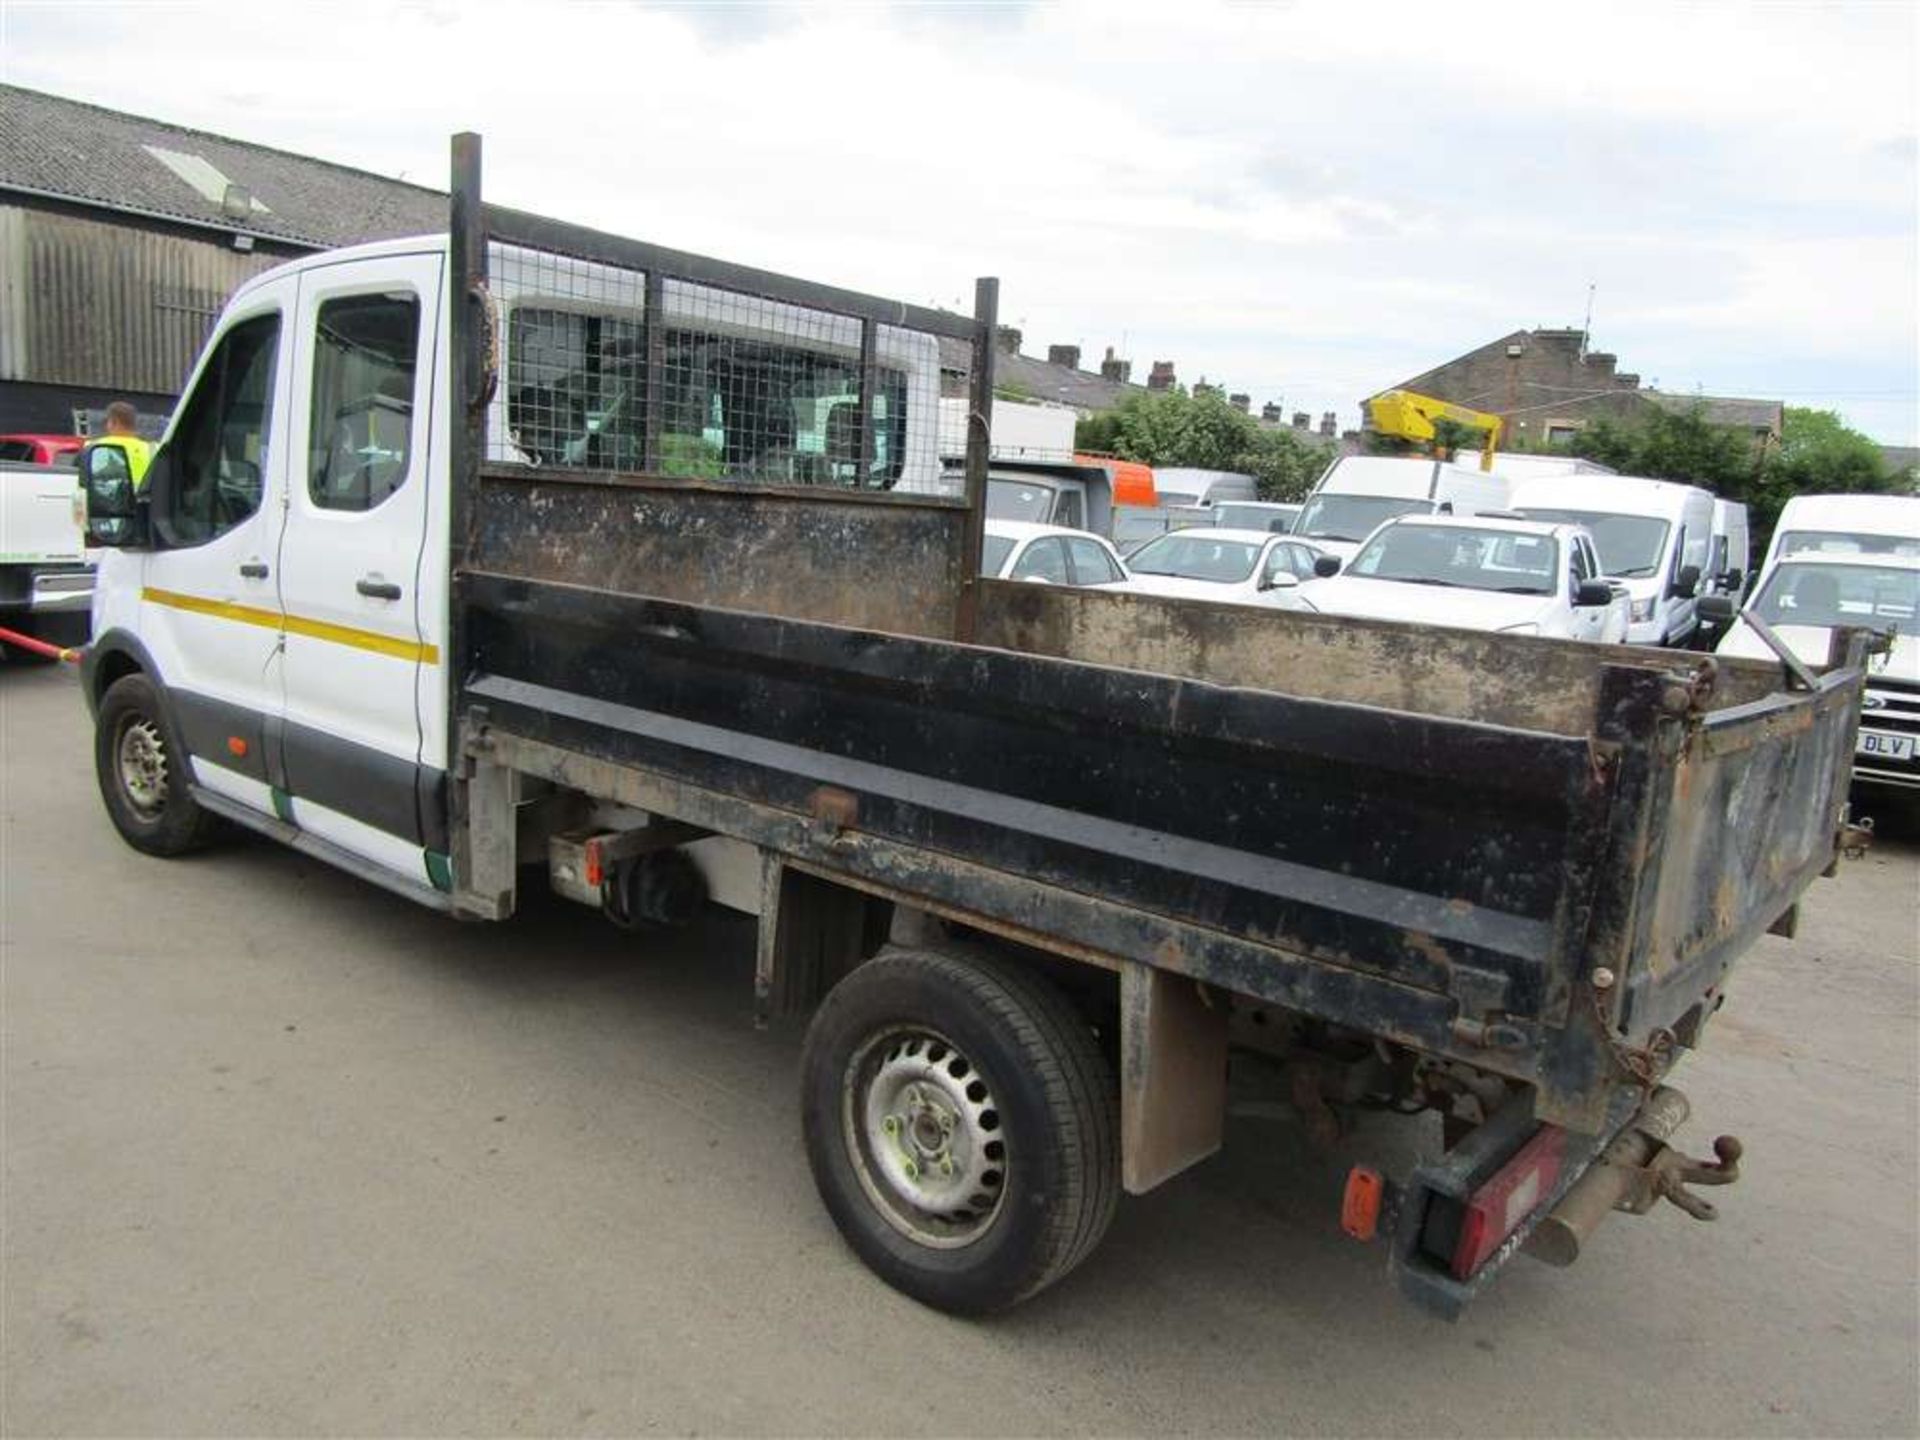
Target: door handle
377,589
254,570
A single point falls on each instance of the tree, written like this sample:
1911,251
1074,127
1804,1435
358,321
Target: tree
1818,454
1173,428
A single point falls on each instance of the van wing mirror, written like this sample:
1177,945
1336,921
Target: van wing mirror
1686,583
1719,609
1326,566
116,511
1735,579
1593,592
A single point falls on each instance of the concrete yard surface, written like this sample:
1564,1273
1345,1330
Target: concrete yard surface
287,1155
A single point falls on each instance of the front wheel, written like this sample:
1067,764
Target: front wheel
142,770
962,1127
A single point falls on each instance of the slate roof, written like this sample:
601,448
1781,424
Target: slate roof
1043,380
90,155
1725,409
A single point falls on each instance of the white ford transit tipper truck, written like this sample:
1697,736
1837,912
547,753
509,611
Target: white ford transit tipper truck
533,546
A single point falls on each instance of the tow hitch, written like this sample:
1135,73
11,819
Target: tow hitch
1635,1172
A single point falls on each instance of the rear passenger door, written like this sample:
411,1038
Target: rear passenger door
1090,563
350,561
1044,560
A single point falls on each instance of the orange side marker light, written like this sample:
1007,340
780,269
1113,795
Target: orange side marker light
1360,1206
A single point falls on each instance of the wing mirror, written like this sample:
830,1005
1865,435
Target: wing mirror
1279,580
1593,592
1326,566
1719,609
116,510
1735,579
1686,583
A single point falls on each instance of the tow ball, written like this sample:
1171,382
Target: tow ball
1635,1172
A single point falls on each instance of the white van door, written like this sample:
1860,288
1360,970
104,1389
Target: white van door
209,614
350,559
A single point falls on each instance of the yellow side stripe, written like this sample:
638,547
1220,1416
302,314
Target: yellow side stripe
348,635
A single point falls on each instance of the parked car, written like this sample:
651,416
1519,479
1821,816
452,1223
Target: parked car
1056,554
1256,515
1655,535
1247,567
1804,598
1135,525
1519,577
46,584
41,449
1358,492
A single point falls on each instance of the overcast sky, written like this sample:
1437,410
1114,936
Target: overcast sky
1307,202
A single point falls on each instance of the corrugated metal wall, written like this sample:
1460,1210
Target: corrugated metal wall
92,303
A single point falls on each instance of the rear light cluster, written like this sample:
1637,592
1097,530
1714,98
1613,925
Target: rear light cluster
1466,1234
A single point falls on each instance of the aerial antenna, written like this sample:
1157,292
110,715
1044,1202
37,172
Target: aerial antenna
1586,329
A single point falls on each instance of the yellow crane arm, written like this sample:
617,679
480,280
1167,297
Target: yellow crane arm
1410,417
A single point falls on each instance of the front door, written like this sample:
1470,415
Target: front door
209,612
351,560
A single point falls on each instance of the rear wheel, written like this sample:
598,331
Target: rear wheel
962,1127
142,770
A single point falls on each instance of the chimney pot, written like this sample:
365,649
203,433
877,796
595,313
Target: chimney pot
1067,355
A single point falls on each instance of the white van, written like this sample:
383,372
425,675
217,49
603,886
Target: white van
1517,466
1655,536
1182,485
1358,492
1847,525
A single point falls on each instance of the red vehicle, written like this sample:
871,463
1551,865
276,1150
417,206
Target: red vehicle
42,449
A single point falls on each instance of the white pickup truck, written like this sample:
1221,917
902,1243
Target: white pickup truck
46,584
1518,577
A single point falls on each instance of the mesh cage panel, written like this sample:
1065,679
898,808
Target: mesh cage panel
724,384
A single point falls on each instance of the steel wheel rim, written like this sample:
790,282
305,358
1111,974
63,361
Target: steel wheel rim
925,1137
142,755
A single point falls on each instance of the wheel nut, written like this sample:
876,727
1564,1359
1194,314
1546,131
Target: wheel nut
891,1125
912,1169
946,1167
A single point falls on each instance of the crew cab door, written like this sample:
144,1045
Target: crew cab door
357,517
207,610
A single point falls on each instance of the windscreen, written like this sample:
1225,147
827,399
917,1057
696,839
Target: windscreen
1275,518
1846,542
1461,559
1019,500
993,554
1194,555
1871,596
1353,517
1630,546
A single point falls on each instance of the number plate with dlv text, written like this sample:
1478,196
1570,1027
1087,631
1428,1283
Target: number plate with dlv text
1882,746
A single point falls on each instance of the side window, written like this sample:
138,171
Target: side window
15,450
361,429
1299,560
1580,567
1066,510
1044,560
1091,563
220,442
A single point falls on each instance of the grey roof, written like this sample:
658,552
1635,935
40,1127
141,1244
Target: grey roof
1725,410
1900,459
64,148
1043,380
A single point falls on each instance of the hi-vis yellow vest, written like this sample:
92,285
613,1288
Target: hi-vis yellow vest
139,454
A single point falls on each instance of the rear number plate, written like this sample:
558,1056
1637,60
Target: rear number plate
1882,746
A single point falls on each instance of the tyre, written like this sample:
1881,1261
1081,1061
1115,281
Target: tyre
142,770
962,1126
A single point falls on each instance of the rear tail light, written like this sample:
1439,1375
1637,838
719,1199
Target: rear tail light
1499,1207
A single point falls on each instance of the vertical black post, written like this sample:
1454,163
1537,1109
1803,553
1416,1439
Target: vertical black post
469,343
986,321
869,378
654,322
